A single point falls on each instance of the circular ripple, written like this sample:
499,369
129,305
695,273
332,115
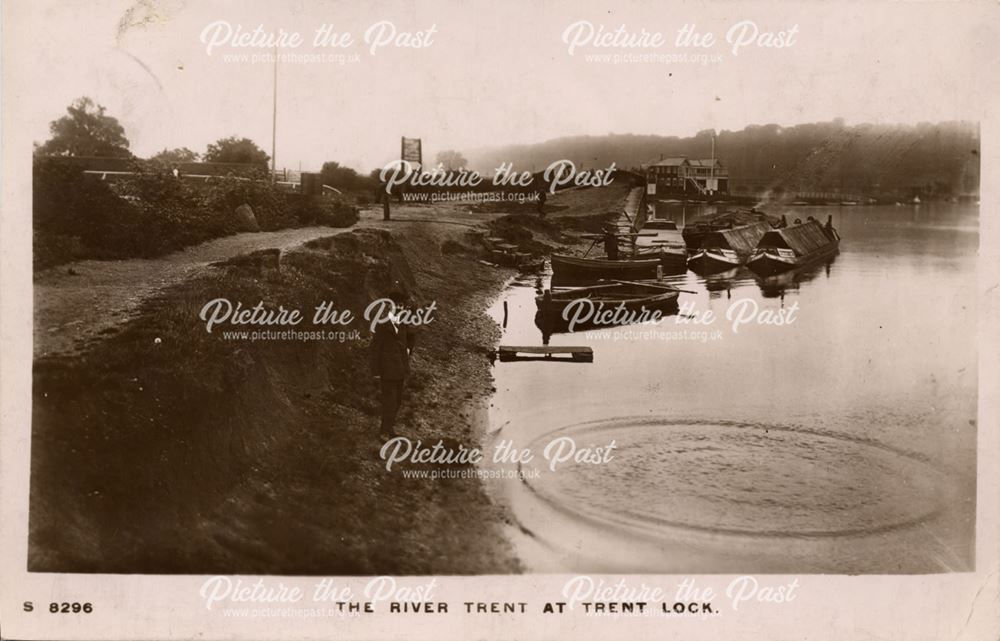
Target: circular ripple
740,478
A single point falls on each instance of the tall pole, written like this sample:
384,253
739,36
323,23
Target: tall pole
274,118
711,172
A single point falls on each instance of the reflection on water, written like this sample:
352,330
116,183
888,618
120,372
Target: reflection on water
842,442
776,285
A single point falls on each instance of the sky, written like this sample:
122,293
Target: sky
495,73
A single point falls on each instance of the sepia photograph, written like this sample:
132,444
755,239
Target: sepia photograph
404,292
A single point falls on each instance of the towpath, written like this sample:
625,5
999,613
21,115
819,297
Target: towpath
77,302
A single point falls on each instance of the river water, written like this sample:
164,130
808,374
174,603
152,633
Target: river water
843,441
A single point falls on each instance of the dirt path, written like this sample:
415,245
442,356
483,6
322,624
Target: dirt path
77,302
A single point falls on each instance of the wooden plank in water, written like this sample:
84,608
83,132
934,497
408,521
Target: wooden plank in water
581,354
643,234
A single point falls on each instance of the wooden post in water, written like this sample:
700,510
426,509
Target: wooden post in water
505,314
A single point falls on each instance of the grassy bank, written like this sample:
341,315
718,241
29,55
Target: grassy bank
164,448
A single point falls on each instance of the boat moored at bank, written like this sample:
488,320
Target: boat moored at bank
795,246
727,248
576,268
615,303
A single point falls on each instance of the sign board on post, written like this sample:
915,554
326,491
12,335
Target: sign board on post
311,184
650,189
411,150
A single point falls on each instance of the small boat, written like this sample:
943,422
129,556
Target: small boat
667,245
595,268
634,302
727,248
795,246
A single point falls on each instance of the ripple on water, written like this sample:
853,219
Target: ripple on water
748,479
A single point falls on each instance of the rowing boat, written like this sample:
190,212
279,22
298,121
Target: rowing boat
596,268
727,248
782,249
624,302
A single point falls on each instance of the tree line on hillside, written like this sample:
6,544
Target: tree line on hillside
940,159
885,161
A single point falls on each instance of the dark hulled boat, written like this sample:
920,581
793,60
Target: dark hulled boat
727,248
778,284
696,231
632,299
796,246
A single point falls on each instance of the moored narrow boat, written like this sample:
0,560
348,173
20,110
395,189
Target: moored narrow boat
795,246
695,232
727,248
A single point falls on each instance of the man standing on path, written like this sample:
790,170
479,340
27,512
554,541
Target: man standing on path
392,344
385,196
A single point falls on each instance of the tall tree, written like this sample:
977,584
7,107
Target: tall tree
451,159
86,130
233,149
180,154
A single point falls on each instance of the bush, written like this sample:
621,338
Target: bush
310,210
345,178
223,195
336,213
174,212
79,216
